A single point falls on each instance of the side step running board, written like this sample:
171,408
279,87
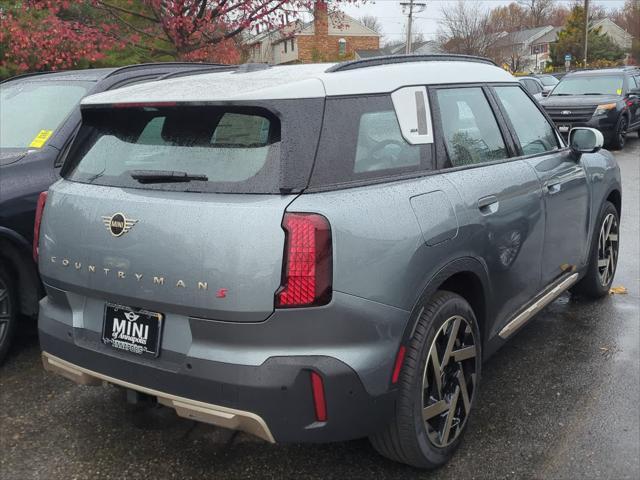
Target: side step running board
545,299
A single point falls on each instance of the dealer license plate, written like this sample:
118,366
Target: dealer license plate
133,330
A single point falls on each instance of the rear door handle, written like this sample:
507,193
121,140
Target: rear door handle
488,205
553,187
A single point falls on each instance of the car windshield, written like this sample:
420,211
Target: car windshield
32,109
548,80
590,85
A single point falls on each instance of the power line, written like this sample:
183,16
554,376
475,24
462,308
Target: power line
411,4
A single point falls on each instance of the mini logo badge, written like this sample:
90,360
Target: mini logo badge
118,224
566,112
132,317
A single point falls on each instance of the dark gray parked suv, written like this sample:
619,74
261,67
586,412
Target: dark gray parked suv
39,116
607,99
319,252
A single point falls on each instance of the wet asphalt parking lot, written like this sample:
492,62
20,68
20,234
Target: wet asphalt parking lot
560,401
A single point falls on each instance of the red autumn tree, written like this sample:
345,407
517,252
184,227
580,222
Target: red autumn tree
201,29
56,34
46,35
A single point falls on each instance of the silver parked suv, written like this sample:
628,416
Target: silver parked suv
318,252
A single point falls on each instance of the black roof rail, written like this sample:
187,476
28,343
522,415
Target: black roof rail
198,71
391,59
162,64
30,74
117,70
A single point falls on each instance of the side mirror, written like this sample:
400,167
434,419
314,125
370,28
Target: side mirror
585,140
634,92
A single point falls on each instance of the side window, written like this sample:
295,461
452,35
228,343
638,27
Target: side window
536,87
380,145
470,129
535,133
361,139
528,85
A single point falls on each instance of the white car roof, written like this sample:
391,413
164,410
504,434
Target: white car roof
302,81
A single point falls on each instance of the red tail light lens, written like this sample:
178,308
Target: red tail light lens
307,261
42,199
319,401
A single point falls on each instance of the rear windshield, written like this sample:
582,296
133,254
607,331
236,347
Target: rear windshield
590,85
209,148
28,108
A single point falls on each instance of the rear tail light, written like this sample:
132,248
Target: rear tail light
306,278
319,401
42,199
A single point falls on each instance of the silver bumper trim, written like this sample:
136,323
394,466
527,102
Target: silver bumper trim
184,407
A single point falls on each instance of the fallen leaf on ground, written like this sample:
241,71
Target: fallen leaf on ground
618,291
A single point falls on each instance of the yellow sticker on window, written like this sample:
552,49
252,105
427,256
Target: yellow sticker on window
41,139
619,91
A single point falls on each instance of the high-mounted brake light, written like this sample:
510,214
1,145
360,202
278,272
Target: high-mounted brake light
42,200
306,279
144,104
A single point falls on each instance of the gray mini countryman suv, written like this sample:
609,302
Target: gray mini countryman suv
318,252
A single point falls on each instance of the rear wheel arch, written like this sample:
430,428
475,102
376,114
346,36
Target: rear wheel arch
466,277
15,255
615,197
468,285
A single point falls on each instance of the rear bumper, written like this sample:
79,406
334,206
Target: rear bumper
185,407
271,398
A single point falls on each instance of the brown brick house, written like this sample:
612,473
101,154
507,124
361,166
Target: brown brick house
330,36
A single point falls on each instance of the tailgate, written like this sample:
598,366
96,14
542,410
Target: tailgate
215,256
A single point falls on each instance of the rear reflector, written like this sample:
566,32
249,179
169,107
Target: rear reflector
398,366
319,401
307,261
42,200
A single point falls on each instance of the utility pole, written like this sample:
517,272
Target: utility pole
411,4
586,30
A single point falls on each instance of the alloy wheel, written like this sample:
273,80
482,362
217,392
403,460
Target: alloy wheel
449,381
5,310
608,249
622,133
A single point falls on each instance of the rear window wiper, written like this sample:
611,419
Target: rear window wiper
164,176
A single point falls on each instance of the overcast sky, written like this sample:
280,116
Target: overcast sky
390,14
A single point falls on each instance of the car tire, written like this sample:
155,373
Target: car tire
619,138
432,408
605,246
8,310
